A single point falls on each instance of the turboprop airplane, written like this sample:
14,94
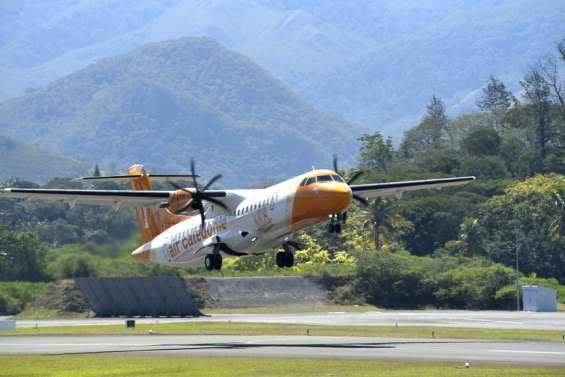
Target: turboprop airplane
182,227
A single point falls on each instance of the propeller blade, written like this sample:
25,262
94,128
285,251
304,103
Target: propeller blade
202,217
211,182
335,163
361,200
354,177
215,201
178,187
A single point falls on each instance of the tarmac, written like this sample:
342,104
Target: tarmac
431,318
457,351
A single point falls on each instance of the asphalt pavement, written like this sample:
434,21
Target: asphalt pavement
457,351
433,318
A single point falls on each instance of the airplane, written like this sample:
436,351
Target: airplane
182,227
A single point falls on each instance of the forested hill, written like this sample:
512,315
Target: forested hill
375,62
164,103
25,161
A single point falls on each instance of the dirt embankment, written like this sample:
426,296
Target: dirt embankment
65,297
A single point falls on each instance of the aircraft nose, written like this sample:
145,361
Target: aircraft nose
143,252
341,196
335,197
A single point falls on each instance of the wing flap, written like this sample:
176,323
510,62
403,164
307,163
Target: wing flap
374,190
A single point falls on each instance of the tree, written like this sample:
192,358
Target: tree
561,48
96,172
376,152
537,92
481,142
548,68
532,209
496,100
431,131
386,221
22,256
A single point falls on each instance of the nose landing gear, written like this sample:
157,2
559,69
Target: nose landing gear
335,222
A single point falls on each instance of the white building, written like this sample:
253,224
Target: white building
539,299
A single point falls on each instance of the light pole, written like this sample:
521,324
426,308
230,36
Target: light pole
516,250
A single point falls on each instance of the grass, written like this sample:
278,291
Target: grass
293,309
560,307
171,366
49,314
233,328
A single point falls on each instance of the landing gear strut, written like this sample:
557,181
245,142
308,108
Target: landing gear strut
335,223
285,258
213,262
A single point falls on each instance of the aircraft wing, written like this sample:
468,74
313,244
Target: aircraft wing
118,198
373,190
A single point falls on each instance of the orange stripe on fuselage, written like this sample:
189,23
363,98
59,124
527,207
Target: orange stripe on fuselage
315,202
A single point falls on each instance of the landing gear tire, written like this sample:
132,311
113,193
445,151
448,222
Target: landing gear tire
337,228
288,259
280,259
285,259
331,227
208,262
213,262
218,262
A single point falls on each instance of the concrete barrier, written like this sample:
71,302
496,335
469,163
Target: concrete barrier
264,291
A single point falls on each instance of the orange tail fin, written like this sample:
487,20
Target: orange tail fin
151,223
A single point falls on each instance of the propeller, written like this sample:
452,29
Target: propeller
199,194
351,180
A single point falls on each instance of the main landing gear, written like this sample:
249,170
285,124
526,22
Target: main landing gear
335,222
213,262
285,258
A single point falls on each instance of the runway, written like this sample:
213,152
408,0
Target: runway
459,351
432,318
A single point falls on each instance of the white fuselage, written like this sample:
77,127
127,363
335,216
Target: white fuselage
260,221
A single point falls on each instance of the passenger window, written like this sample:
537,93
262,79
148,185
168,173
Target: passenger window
337,178
324,178
311,180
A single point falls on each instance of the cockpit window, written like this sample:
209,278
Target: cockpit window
311,180
324,178
303,183
337,178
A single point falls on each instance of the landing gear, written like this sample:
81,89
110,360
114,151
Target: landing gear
335,223
285,258
213,262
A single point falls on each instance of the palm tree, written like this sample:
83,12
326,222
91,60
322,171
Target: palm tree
557,226
386,221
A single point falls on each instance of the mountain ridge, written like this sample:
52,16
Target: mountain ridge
166,102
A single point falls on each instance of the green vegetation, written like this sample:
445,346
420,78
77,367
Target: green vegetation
15,295
162,104
451,249
168,366
256,329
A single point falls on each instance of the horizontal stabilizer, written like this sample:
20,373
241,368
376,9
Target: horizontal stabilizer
156,177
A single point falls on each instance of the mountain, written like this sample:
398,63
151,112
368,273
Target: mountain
166,102
375,62
29,162
450,51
